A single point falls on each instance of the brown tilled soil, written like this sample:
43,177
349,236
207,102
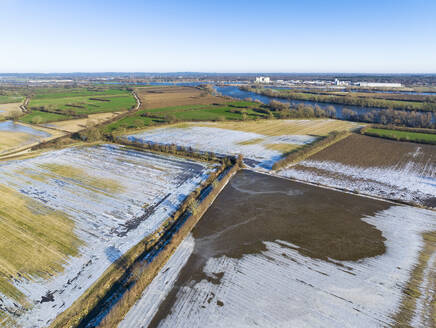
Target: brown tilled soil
167,96
364,151
255,208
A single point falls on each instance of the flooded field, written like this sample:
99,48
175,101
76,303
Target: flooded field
261,143
94,203
396,170
14,135
275,253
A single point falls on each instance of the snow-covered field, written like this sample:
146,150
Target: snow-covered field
105,190
378,167
410,183
253,146
282,288
142,312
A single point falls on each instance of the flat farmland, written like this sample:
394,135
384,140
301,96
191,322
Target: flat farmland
10,109
14,136
396,170
428,138
271,252
82,123
77,101
95,204
232,110
14,98
167,96
262,143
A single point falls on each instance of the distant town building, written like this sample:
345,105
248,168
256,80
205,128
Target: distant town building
263,79
338,82
378,85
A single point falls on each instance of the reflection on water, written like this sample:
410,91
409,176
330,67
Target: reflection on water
11,126
237,93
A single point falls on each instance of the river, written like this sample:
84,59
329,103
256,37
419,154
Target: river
237,93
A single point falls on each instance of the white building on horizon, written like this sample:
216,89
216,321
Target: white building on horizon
338,82
263,79
379,85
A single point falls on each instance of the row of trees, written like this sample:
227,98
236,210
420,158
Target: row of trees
393,117
351,100
182,151
380,116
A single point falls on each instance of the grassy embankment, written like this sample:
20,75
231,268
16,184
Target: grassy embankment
403,134
235,110
58,104
83,306
143,275
419,284
354,99
311,149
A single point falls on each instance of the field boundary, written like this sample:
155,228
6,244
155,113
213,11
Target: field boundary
146,274
400,134
311,149
413,290
119,272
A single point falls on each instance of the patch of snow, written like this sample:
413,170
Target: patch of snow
422,315
101,218
223,141
411,182
141,314
282,288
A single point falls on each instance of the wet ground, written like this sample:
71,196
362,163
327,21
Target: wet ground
271,252
10,126
255,210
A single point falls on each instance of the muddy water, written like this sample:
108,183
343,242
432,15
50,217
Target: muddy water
254,208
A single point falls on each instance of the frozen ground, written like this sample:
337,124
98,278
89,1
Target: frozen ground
412,182
108,222
224,141
282,288
142,312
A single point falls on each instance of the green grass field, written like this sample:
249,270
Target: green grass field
35,241
402,135
237,110
43,117
66,103
10,99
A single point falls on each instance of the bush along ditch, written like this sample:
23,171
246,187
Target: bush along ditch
309,150
109,299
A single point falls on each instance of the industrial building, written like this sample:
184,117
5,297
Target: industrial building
263,79
378,85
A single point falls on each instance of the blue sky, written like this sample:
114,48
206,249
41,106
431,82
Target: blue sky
221,36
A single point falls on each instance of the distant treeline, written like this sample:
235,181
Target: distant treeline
379,116
351,100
